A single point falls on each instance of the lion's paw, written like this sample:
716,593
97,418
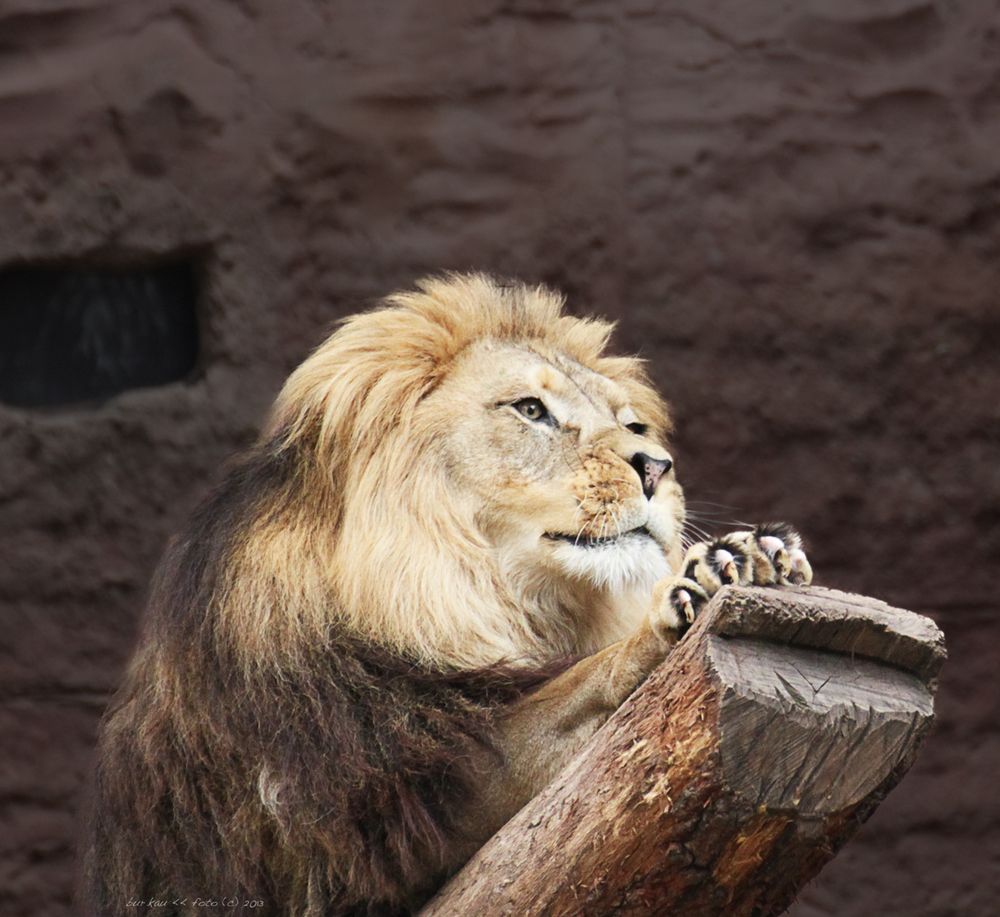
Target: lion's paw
767,555
770,554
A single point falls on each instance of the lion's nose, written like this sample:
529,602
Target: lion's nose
650,471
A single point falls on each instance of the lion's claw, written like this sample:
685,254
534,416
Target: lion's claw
676,603
801,573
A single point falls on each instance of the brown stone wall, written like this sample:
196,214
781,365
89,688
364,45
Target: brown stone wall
793,208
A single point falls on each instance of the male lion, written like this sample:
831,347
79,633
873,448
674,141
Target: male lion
454,552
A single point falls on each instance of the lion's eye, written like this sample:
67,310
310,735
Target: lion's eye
531,408
639,429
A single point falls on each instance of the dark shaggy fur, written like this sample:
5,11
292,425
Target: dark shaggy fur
365,754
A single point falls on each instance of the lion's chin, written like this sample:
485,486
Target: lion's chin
625,562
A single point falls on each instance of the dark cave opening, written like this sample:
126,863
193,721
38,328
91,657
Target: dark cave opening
71,334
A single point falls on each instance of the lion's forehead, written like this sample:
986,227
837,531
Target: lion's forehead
568,375
517,370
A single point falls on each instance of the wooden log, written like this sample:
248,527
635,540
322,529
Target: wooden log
731,776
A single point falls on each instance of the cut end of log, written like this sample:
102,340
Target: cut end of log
825,694
832,621
732,775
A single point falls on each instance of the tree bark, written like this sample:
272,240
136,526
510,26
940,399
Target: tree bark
732,775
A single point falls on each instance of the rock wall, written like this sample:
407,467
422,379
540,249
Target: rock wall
793,208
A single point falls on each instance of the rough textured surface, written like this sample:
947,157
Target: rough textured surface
793,208
858,626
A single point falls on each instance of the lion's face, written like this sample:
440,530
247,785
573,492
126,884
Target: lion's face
473,484
554,457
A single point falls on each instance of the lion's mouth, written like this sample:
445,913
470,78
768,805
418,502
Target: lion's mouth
581,541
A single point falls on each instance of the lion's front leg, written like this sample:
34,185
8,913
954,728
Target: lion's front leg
770,554
539,734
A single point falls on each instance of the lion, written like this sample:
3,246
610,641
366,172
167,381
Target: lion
455,550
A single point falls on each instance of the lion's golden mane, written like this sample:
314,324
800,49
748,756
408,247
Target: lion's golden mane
330,634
